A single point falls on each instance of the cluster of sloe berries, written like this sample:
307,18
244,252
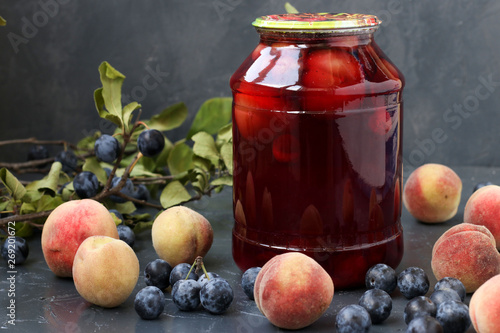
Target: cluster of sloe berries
107,149
442,311
190,291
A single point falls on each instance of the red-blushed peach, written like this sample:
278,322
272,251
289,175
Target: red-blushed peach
105,271
464,227
466,252
180,235
484,306
293,291
483,208
68,226
432,193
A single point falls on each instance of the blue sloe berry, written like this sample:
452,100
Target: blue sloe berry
248,281
424,324
86,184
149,302
150,142
107,148
419,306
157,273
216,296
412,282
126,234
186,295
378,303
453,316
381,276
180,271
16,249
353,319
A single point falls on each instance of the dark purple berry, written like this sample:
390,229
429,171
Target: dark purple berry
126,234
38,152
107,148
127,189
157,273
453,316
424,324
203,280
353,318
15,250
186,295
378,303
419,306
86,185
150,142
381,276
442,295
180,271
452,283
216,296
248,281
141,192
413,282
479,185
149,302
117,214
68,160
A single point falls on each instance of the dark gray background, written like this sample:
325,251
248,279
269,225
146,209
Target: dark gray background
446,49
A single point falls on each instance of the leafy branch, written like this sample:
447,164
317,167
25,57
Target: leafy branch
183,171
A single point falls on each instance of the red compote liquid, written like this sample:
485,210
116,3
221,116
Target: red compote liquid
317,118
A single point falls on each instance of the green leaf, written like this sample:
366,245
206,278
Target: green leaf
225,134
180,158
112,81
127,112
48,202
48,183
161,159
99,103
290,9
141,226
124,208
23,229
141,171
202,163
170,118
12,184
201,180
2,21
204,146
5,204
226,152
224,180
212,115
32,196
92,165
173,194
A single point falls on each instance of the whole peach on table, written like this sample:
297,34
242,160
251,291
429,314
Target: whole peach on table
180,235
105,271
68,226
484,306
293,291
432,193
466,252
483,208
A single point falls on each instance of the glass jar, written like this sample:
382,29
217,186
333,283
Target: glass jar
317,116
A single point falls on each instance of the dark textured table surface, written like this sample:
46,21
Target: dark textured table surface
46,303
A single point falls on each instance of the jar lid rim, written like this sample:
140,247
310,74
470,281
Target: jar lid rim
316,21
